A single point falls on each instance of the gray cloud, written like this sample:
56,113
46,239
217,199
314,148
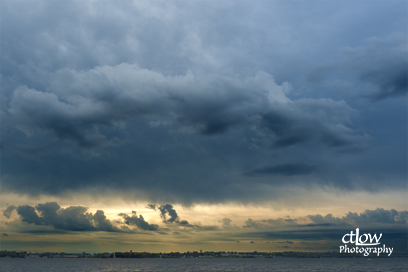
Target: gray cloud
251,224
226,222
151,206
378,215
73,218
79,110
281,222
284,169
49,212
7,212
322,120
168,214
114,109
28,215
287,242
138,221
384,64
369,218
101,223
366,218
89,98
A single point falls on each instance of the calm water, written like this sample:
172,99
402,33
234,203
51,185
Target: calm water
170,265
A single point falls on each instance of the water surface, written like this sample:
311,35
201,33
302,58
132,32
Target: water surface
199,264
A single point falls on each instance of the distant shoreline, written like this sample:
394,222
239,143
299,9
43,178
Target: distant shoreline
188,254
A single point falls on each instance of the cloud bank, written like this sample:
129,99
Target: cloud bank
190,103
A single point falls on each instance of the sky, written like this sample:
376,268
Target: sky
214,125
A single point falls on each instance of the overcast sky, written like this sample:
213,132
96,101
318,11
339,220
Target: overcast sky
279,105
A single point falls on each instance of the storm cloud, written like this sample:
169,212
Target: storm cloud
94,112
81,104
189,103
384,64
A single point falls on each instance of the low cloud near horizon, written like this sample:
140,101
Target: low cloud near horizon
77,218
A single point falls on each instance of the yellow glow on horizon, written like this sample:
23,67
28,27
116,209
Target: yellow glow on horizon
303,203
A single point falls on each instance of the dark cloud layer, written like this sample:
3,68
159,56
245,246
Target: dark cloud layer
384,64
284,169
174,102
78,110
96,115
